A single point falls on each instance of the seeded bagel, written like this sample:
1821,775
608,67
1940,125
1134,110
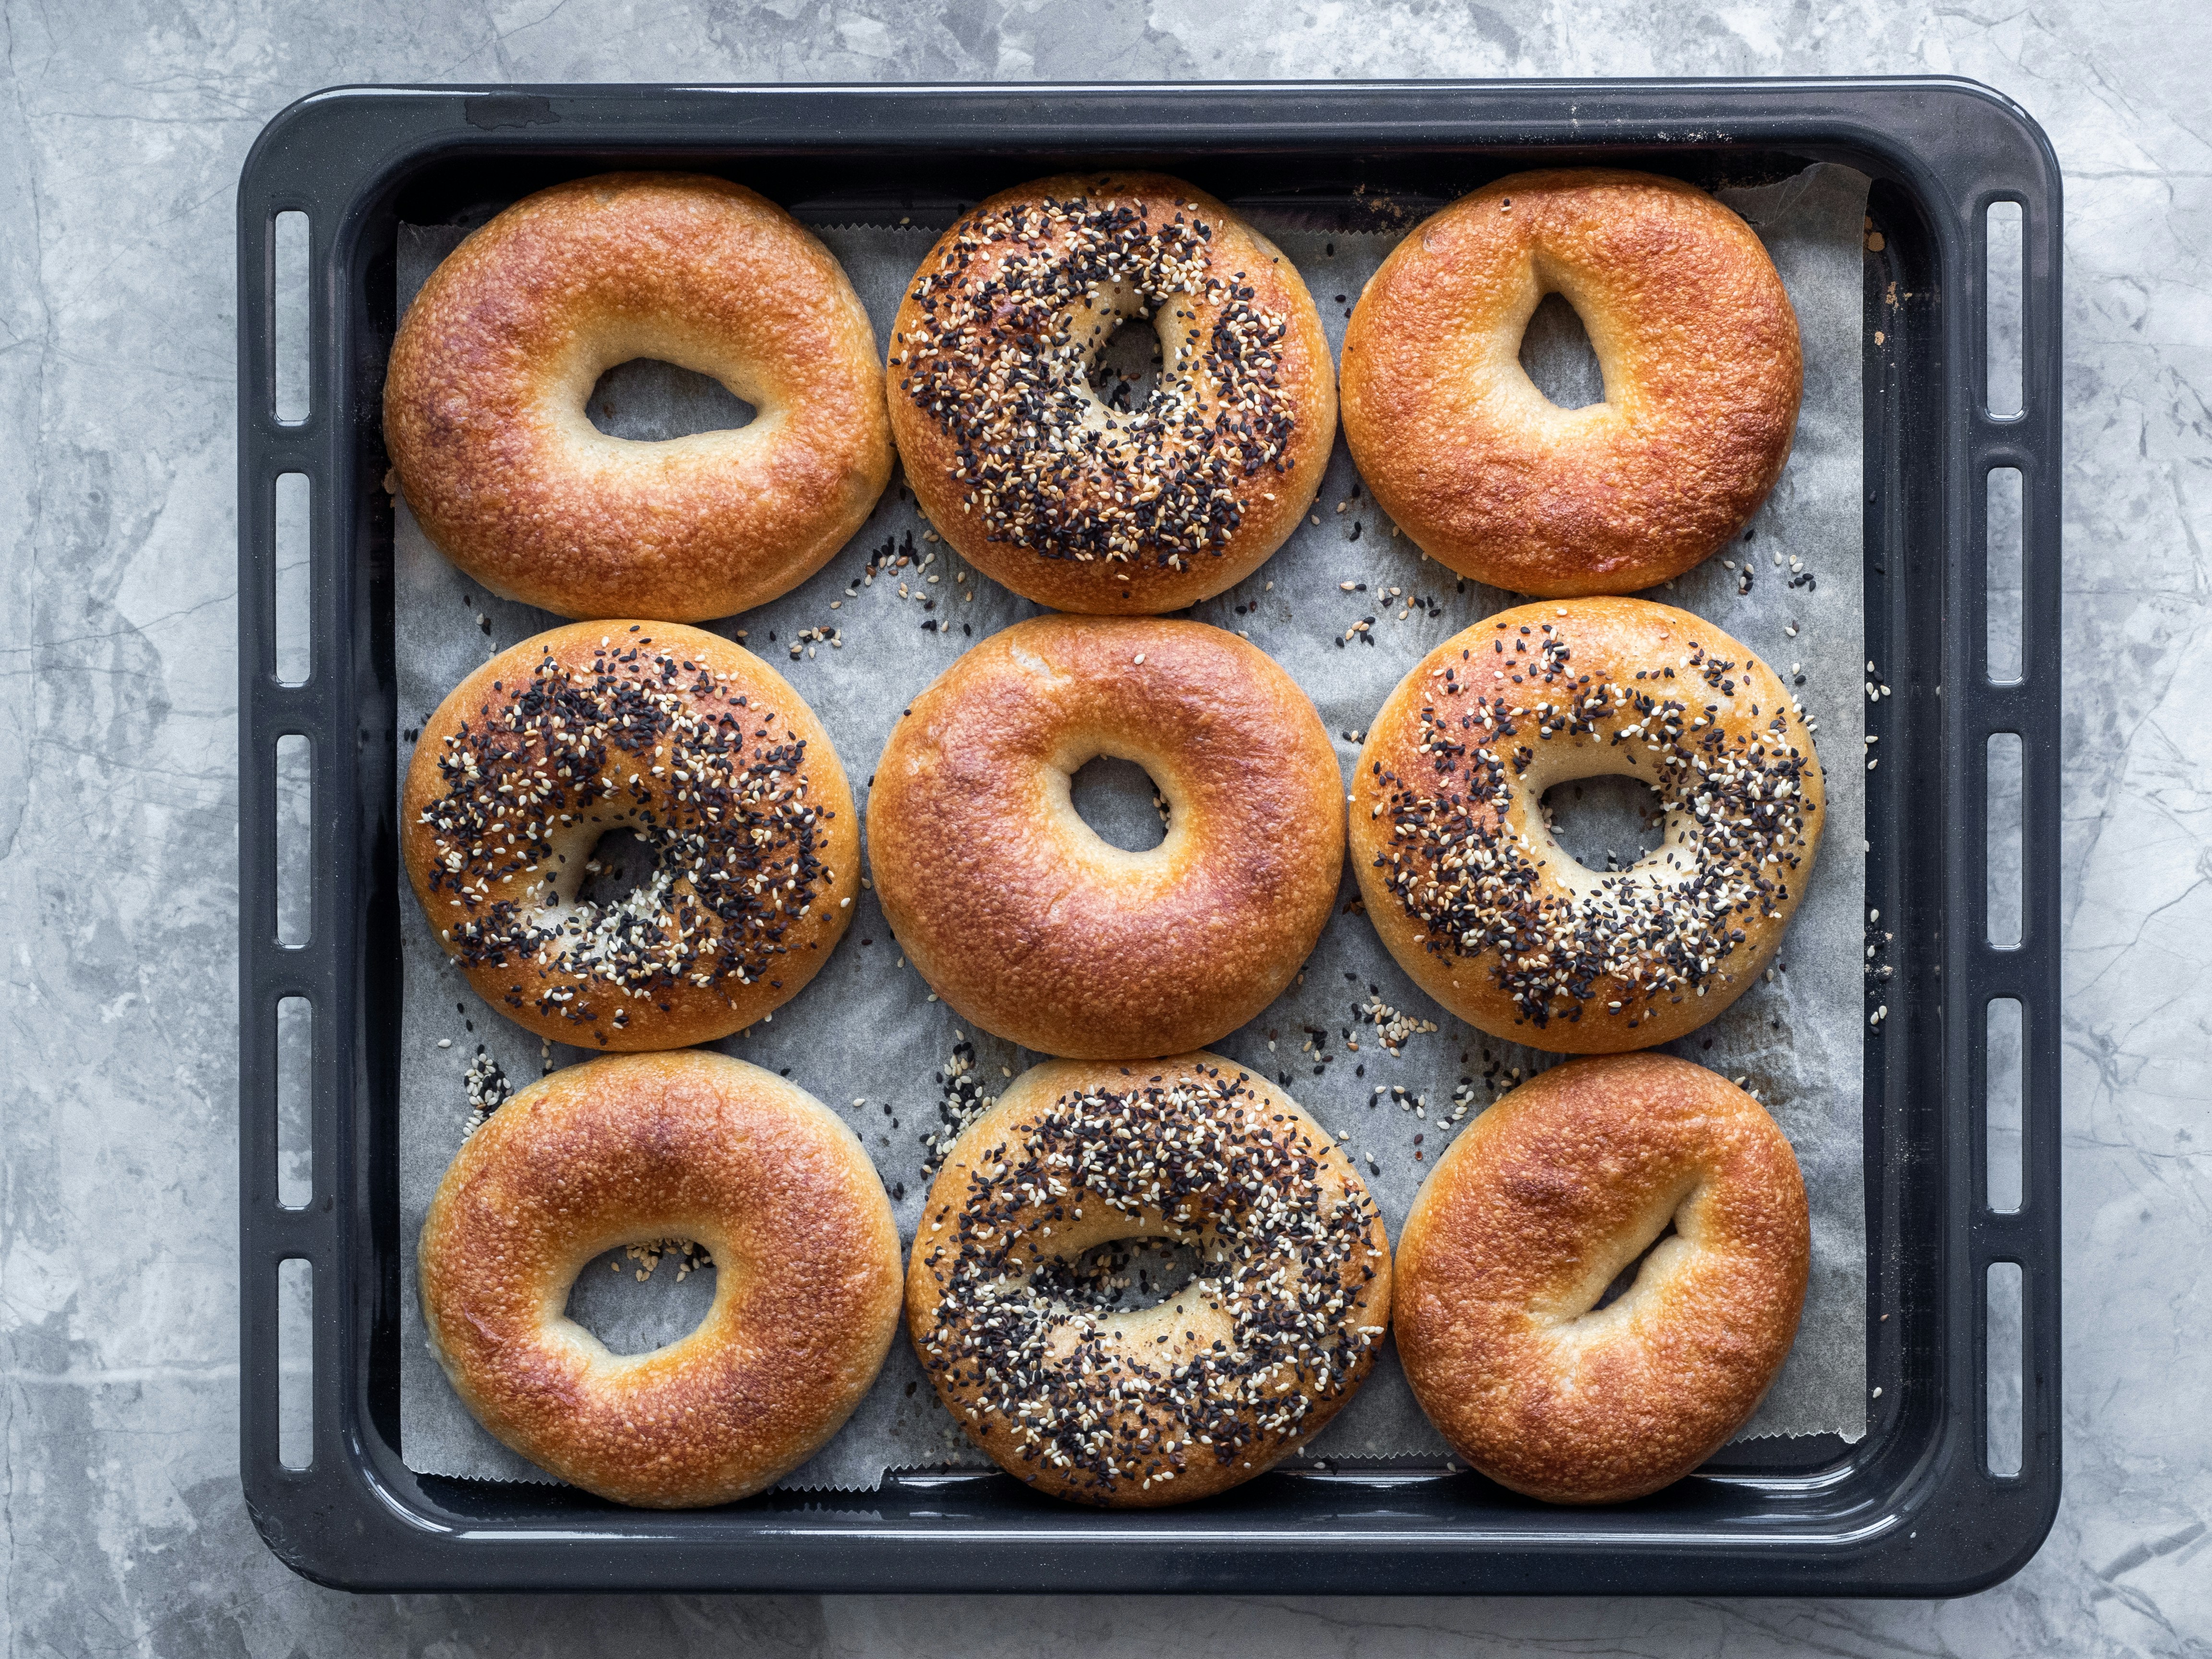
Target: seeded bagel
1535,1210
1042,486
1461,874
1243,1365
1703,374
694,746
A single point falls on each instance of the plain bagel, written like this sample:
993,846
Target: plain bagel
1472,894
1022,919
635,1149
1535,1210
1703,372
1044,487
483,403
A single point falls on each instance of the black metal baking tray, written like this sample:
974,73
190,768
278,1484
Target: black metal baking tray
1912,1510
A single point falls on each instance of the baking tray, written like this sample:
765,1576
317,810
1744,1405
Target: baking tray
1912,1510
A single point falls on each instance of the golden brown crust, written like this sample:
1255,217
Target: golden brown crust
1261,299
1528,1219
1028,924
637,1148
750,818
484,404
1241,1367
1478,903
1703,374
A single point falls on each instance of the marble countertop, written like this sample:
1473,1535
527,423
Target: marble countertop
121,134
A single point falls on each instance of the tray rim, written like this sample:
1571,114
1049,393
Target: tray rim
1909,128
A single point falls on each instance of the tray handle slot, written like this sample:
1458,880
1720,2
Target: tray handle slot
2004,240
2004,657
292,888
2002,1164
293,655
296,1363
2000,509
295,1132
2003,1349
2003,845
290,393
295,851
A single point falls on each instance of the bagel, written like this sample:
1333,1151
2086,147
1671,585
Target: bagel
1042,486
1024,920
694,746
1703,374
1239,1367
483,401
1460,872
633,1149
1538,1207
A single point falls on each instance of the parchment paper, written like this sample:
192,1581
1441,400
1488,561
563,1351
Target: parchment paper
866,1038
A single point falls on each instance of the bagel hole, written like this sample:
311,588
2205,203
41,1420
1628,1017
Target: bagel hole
1557,354
649,401
639,1297
1604,823
1126,370
1625,1280
1121,803
619,865
1120,1276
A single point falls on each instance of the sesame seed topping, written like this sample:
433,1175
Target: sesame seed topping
1020,302
1663,929
1032,1346
716,792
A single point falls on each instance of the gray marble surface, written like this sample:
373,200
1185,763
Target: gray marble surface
121,132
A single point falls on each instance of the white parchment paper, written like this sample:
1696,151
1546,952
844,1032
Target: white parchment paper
866,1038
